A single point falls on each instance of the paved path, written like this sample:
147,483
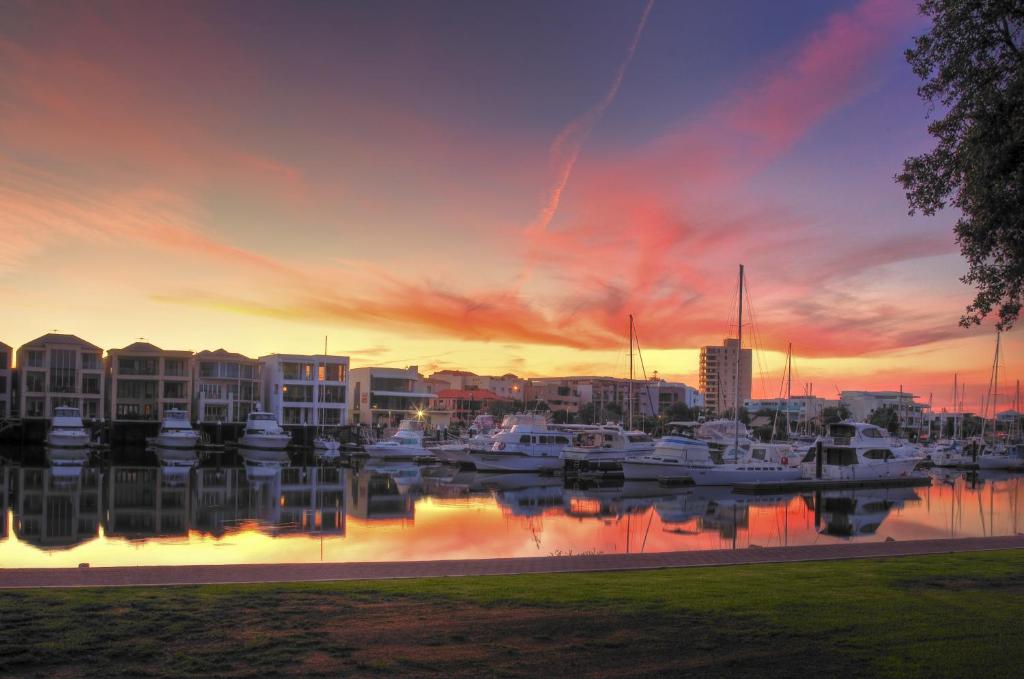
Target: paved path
318,572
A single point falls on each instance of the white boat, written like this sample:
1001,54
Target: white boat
176,431
1008,459
857,451
67,430
531,445
677,458
779,453
67,462
604,449
262,431
323,442
731,437
406,443
263,464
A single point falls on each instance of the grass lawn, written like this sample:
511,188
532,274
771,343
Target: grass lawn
955,615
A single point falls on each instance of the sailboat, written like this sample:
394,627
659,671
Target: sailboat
327,445
997,457
679,457
604,448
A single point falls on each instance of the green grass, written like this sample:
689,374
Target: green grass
955,615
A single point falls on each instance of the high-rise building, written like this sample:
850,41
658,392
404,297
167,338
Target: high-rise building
718,376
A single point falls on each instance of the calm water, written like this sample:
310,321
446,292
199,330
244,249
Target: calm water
133,508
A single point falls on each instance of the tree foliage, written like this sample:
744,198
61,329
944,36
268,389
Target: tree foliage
972,65
887,418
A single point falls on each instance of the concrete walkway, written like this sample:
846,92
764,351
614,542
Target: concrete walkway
318,572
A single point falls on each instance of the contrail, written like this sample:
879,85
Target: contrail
566,147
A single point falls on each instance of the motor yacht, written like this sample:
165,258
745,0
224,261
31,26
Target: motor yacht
857,451
263,464
530,445
1010,458
67,462
263,431
176,431
67,429
679,457
840,434
406,443
603,449
779,453
482,438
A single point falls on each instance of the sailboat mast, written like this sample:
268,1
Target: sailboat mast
739,352
955,409
789,383
629,396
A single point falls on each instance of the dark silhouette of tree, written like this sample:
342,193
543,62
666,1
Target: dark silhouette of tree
972,65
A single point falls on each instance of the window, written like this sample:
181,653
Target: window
215,413
230,370
137,366
90,384
174,390
35,382
332,394
3,408
334,373
36,358
63,372
874,433
91,361
247,372
210,390
879,454
3,385
290,371
298,393
4,360
136,389
174,367
207,369
329,416
524,439
135,411
292,416
34,407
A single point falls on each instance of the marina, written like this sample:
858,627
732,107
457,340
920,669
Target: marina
155,507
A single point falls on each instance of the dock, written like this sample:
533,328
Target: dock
756,488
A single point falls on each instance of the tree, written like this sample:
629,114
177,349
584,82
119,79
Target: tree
831,415
887,418
501,408
972,65
680,412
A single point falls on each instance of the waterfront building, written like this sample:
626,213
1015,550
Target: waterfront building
465,404
306,390
718,376
226,386
384,396
142,502
798,409
60,370
561,394
144,381
671,393
862,404
6,383
54,511
507,386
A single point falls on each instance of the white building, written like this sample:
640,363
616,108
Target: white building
862,404
60,370
798,408
671,393
384,396
226,386
6,360
146,380
306,390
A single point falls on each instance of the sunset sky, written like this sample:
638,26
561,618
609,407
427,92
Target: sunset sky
485,186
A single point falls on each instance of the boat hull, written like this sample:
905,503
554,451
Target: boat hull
177,441
67,439
634,470
385,452
890,469
514,462
265,441
741,474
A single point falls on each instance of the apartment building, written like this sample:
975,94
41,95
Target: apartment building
560,393
226,386
506,386
60,370
6,384
306,390
862,404
719,375
144,381
384,396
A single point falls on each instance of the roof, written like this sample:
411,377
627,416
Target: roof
141,346
470,394
464,373
223,353
6,346
59,338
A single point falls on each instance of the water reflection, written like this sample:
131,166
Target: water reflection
172,506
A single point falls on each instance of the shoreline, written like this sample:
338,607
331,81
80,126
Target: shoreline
162,576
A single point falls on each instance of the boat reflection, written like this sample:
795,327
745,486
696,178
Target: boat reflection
851,513
239,502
